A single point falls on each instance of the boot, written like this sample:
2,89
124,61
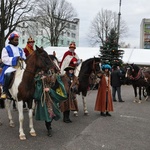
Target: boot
49,128
66,117
102,114
108,114
7,80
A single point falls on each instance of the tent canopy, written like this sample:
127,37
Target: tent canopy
136,56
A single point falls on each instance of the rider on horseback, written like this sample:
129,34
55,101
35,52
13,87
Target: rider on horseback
70,58
29,47
10,56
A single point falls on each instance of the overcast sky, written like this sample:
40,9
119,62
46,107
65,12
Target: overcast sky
132,12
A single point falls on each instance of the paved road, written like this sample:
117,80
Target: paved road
127,129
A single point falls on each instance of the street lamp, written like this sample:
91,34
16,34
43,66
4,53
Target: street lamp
119,15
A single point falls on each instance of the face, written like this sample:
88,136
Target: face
106,70
31,43
71,71
15,41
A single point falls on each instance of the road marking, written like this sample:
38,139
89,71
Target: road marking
132,117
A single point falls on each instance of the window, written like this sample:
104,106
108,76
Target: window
23,41
73,35
62,42
68,34
23,33
68,42
23,24
36,32
41,41
68,25
41,32
62,33
73,27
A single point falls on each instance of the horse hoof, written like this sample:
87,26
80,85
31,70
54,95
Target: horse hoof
22,137
32,133
135,101
139,102
12,125
86,114
76,115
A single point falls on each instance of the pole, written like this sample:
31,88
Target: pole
119,15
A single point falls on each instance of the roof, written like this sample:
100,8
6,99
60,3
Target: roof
136,56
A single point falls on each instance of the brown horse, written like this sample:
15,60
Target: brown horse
23,86
138,79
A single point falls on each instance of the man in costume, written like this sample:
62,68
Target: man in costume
71,84
29,47
70,58
10,56
47,99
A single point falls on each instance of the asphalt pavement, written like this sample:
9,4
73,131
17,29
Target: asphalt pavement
127,129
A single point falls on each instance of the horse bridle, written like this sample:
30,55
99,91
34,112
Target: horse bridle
94,66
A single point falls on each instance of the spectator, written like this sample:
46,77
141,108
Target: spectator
116,76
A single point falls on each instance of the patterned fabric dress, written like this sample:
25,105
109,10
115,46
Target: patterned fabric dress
47,107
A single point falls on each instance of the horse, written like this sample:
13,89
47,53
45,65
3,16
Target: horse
84,71
23,87
89,66
138,79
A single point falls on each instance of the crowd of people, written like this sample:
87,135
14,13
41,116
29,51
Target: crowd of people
60,99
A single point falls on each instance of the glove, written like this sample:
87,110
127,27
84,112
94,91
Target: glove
79,61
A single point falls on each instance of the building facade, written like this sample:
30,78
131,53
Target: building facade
145,34
69,34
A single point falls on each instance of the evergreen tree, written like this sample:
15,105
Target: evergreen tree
110,53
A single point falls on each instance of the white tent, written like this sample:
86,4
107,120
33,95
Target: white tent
136,56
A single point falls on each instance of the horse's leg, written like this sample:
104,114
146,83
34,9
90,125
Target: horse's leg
84,106
21,118
7,105
76,112
140,89
32,131
135,93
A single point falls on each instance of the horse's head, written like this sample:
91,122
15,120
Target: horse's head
132,70
40,60
96,66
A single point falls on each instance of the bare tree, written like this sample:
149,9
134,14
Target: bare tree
102,25
13,12
54,16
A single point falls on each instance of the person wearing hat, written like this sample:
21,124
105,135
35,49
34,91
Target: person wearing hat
104,102
116,83
10,56
70,58
29,47
71,85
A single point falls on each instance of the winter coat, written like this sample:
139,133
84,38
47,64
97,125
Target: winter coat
71,86
103,89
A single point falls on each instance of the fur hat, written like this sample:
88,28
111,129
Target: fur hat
106,66
12,36
30,40
69,68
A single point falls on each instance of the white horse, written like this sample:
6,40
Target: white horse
23,87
